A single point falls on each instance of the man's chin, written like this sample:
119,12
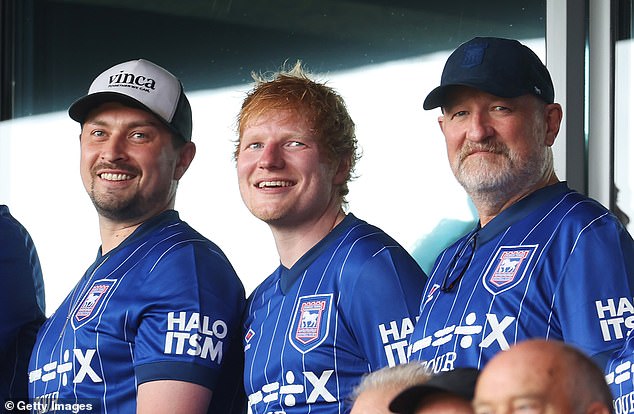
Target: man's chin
116,211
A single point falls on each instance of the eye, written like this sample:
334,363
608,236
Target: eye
483,410
526,407
98,135
139,135
253,146
459,114
295,144
500,108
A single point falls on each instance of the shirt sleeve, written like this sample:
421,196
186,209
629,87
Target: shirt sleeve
191,322
594,302
383,304
22,301
22,292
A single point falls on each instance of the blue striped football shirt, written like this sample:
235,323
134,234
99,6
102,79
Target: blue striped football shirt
556,264
344,309
165,304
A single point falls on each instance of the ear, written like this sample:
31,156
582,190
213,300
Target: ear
343,171
553,114
187,153
441,120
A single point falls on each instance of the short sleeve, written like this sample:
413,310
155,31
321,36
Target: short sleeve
195,302
594,302
383,304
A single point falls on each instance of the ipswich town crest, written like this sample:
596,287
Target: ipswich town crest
508,267
311,321
91,302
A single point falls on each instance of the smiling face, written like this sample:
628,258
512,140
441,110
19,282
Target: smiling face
498,146
129,165
284,178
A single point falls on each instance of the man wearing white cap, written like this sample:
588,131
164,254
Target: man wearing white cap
151,326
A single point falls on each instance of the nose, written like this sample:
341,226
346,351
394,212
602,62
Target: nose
114,148
271,157
479,128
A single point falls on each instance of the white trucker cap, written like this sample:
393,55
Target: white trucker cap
143,84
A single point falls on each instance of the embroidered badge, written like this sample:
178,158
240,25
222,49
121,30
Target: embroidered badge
508,267
91,301
473,55
311,320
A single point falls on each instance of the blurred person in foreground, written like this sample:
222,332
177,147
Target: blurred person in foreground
448,392
542,376
378,388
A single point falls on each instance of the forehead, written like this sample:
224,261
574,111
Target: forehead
117,110
519,374
457,95
274,120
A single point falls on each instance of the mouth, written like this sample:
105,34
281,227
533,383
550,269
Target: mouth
481,151
114,177
274,184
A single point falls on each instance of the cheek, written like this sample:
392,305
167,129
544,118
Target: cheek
243,167
85,161
453,149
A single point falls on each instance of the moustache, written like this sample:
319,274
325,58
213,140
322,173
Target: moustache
493,148
125,169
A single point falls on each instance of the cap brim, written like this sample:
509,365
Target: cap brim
408,401
458,383
80,109
437,97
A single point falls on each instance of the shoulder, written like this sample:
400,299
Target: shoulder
368,249
580,211
367,238
178,249
10,228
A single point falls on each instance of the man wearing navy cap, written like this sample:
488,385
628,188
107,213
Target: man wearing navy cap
153,325
544,261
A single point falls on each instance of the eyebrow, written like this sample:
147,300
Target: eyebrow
149,122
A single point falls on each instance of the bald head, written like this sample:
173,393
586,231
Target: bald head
545,376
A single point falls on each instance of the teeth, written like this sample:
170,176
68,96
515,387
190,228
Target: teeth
115,177
274,184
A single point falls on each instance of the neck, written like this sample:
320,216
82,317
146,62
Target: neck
113,232
490,205
293,242
113,235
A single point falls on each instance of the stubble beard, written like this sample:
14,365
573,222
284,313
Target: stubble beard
124,209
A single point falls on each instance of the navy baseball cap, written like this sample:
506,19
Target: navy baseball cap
501,67
459,383
142,84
